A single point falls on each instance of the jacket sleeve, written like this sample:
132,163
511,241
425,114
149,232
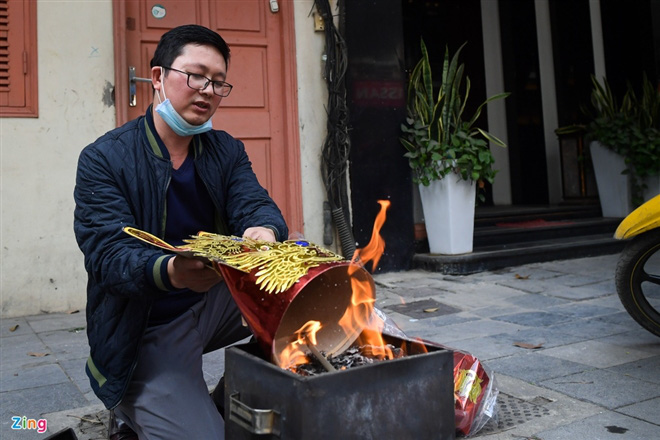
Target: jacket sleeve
118,263
248,203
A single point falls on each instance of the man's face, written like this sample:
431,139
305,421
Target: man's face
195,106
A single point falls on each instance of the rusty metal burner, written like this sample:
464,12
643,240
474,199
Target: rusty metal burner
406,398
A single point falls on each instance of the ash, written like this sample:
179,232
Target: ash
354,356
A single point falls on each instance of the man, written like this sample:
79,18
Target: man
150,315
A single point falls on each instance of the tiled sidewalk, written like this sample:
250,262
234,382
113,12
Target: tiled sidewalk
568,361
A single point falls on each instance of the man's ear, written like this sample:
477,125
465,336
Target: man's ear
156,77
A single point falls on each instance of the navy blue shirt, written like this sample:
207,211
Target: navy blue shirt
189,206
189,210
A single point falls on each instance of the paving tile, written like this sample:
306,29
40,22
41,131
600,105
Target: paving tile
589,328
535,301
91,398
582,310
531,271
412,294
638,338
580,280
88,422
607,425
466,330
551,279
75,370
430,326
213,365
396,278
496,310
597,354
647,410
581,293
487,348
424,309
534,319
33,403
647,369
487,291
30,377
22,434
535,367
15,351
621,318
477,296
56,321
542,336
604,387
528,284
611,301
603,265
66,344
492,276
19,325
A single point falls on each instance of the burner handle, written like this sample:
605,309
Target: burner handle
256,421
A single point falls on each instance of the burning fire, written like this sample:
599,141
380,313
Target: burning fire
293,355
358,318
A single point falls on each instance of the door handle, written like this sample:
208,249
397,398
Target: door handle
274,6
132,87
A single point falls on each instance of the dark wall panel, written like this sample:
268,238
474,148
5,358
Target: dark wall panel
375,84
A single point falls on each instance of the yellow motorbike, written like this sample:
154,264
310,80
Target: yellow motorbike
638,269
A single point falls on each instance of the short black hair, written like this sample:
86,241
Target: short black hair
172,42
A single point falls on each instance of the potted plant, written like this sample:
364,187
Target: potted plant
450,157
625,145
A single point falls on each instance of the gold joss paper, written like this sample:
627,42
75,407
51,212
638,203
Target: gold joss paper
279,264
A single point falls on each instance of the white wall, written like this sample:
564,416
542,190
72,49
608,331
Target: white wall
312,101
42,268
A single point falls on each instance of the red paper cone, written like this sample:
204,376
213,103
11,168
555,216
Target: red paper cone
322,295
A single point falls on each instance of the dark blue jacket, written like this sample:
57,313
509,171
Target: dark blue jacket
122,180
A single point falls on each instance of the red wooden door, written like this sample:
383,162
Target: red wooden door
261,110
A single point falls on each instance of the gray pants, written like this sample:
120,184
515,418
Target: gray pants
167,397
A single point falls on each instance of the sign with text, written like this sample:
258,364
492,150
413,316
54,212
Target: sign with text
374,93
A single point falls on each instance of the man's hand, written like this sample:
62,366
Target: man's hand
260,233
191,273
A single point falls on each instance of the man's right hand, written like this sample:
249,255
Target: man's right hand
191,273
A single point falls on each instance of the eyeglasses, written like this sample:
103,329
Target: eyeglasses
200,82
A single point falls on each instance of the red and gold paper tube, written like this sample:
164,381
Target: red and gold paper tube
323,295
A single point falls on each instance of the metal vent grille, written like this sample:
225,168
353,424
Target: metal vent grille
512,412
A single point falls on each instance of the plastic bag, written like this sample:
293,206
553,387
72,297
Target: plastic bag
475,391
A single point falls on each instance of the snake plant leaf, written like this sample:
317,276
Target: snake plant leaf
439,139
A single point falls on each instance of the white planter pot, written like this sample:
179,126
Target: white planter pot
613,187
448,206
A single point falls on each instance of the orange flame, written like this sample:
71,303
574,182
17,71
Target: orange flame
293,355
358,317
376,246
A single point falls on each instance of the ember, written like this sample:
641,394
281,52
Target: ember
354,356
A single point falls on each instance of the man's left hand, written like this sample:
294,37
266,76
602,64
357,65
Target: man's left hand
260,233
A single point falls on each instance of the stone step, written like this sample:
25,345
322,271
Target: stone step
507,233
492,257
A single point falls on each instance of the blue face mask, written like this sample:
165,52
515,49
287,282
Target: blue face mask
174,120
